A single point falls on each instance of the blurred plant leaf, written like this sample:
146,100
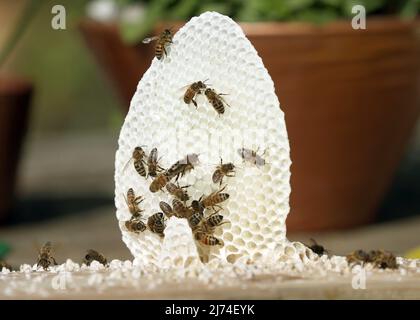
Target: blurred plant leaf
4,250
316,16
222,8
134,32
249,12
410,9
370,6
28,13
183,10
332,3
314,11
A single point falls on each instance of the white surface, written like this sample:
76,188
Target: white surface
211,46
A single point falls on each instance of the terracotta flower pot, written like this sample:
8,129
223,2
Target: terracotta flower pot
15,96
351,99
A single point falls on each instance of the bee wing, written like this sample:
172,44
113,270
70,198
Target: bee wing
185,87
223,99
125,198
125,166
152,158
217,176
36,245
150,39
313,241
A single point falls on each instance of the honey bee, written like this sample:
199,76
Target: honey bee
177,191
138,156
153,166
135,225
208,239
209,224
214,220
252,157
204,228
133,203
195,219
180,210
358,256
93,255
213,199
223,170
197,207
159,182
45,258
317,248
166,209
183,166
156,223
4,264
193,90
216,100
383,259
163,40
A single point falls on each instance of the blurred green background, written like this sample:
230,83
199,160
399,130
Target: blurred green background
71,95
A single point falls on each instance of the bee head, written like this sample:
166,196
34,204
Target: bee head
230,166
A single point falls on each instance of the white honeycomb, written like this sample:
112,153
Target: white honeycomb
213,47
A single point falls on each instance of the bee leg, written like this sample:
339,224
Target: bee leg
222,189
214,208
53,260
195,103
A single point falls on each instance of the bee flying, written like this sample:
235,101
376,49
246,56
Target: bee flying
163,40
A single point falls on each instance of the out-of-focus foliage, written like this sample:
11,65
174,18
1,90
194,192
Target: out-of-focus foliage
70,94
27,15
313,11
